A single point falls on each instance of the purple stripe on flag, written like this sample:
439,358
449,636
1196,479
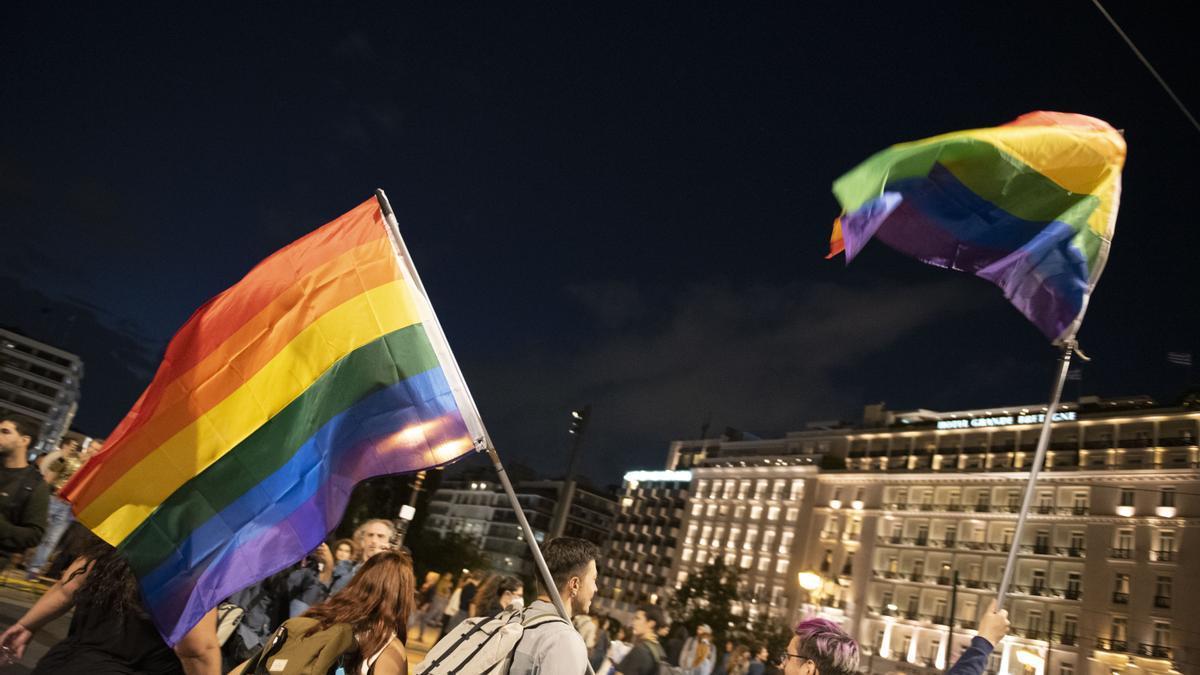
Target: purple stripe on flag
939,221
261,552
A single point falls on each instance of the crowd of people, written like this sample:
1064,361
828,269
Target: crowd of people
357,602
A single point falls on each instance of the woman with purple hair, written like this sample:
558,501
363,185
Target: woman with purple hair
821,647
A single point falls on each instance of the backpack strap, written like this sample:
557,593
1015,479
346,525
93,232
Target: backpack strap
256,664
368,666
461,639
507,620
478,627
544,618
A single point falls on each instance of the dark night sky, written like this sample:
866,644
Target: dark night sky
621,206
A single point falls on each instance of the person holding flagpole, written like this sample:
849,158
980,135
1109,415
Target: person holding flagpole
556,647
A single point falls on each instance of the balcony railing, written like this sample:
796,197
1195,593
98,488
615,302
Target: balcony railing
1162,601
1069,551
1111,645
985,508
1120,598
1121,553
1162,556
1154,651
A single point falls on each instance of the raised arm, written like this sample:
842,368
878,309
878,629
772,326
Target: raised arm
54,603
992,629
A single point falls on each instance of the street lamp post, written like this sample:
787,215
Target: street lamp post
579,423
407,511
402,522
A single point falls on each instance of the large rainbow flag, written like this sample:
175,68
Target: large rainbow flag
1030,206
325,365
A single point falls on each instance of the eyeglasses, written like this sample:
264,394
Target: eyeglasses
788,655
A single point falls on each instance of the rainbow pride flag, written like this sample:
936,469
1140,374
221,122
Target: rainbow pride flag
324,366
1030,206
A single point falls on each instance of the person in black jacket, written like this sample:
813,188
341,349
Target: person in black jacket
24,496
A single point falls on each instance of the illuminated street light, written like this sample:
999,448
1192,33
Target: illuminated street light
809,581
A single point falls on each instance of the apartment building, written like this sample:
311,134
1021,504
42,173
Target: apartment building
40,382
636,561
481,510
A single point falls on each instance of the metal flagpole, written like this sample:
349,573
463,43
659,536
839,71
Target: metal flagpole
484,443
1060,378
953,616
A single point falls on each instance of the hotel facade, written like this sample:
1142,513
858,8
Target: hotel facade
900,527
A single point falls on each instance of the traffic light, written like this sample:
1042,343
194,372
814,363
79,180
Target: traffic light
579,420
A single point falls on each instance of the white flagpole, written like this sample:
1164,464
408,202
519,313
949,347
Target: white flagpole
1060,378
464,399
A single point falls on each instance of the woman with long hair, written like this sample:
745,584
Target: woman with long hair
499,593
110,631
699,654
376,603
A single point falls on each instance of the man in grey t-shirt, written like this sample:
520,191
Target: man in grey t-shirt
555,647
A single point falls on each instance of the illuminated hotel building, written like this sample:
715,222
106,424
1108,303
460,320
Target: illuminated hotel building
883,516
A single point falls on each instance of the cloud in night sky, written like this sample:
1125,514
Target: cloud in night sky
762,359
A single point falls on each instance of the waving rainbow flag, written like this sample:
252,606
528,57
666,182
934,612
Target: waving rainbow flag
325,365
1030,206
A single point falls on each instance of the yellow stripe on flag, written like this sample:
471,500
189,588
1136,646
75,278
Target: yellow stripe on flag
133,496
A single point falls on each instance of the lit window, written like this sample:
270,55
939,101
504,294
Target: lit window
781,566
773,513
797,490
751,538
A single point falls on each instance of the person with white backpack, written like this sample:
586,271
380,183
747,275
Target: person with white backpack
530,640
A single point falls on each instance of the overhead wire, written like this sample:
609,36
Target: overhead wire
1146,62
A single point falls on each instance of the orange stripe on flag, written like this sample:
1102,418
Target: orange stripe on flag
836,245
219,318
250,348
